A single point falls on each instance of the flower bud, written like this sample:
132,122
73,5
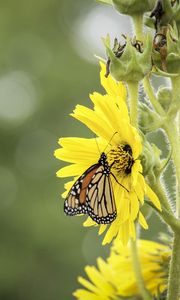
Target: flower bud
163,13
150,159
130,7
149,120
164,96
130,61
153,165
133,7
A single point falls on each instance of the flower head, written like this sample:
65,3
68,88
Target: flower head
115,277
130,61
109,120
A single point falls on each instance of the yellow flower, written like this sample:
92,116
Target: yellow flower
115,277
109,120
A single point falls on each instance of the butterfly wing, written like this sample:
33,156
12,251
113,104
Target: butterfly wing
75,202
100,198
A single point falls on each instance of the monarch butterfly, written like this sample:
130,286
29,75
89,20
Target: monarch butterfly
92,194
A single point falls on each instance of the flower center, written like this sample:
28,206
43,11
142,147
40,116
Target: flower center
120,157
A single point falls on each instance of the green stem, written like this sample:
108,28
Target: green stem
137,270
151,95
158,189
173,136
174,273
133,95
175,105
172,132
167,214
138,26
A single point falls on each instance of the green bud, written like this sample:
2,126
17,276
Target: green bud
163,13
164,96
130,7
150,159
133,7
149,119
130,61
153,165
173,50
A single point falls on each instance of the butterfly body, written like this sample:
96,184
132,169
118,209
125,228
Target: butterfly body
92,194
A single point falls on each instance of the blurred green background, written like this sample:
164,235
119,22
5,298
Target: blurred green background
46,68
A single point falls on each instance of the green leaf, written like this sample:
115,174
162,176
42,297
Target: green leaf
158,72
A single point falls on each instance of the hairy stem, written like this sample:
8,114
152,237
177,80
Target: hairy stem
172,132
138,26
133,102
160,192
174,274
173,136
151,95
137,270
175,105
167,213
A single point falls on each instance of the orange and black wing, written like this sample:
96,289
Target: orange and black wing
75,202
100,197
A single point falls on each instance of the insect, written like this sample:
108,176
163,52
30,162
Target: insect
92,194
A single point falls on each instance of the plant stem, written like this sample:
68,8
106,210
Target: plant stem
173,136
151,95
137,270
133,95
157,187
172,132
175,105
167,214
138,26
174,273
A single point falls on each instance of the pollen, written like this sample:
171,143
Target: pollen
121,159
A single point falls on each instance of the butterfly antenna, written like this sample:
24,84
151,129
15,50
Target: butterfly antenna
110,140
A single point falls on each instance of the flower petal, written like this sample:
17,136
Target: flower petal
89,222
116,89
134,206
142,221
153,197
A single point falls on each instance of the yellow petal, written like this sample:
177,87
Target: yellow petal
96,278
93,122
89,222
123,209
135,172
142,221
134,206
102,228
81,294
139,192
72,170
153,197
110,234
123,233
112,87
87,284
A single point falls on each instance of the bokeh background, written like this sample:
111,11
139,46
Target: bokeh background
47,66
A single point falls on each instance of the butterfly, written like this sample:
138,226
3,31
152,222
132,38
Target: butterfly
92,194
